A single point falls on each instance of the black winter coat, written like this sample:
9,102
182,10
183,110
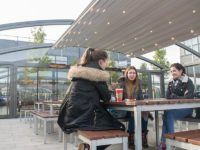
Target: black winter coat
81,108
182,88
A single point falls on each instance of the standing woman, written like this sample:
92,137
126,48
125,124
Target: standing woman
180,87
132,90
81,109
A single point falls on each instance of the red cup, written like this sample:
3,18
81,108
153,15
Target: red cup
119,94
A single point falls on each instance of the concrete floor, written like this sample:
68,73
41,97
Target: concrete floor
16,135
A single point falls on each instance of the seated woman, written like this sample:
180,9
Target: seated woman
81,109
180,87
132,90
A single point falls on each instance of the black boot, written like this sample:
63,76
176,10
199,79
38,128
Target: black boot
131,141
144,140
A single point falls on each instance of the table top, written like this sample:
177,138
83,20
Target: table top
161,101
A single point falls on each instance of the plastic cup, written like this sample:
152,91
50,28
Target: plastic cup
119,94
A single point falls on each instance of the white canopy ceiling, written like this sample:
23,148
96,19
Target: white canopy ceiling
133,27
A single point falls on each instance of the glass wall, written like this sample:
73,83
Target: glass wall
193,43
39,84
4,91
194,73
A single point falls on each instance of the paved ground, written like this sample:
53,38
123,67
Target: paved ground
16,135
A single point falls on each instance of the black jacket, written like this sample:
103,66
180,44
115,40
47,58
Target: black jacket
136,94
182,88
81,108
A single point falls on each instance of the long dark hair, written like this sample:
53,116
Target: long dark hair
132,86
179,67
91,54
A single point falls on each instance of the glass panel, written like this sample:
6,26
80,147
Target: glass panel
194,41
26,86
189,71
144,78
197,71
46,84
195,47
63,83
4,91
156,90
61,60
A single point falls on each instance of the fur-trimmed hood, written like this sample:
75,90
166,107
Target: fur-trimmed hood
88,73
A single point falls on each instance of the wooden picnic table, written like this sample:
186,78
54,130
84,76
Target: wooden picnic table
138,106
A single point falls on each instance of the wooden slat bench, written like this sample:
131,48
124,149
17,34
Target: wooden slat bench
98,138
186,139
45,117
26,111
187,121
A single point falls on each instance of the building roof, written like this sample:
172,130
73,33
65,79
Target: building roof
133,27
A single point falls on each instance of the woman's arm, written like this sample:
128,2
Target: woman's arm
169,93
103,91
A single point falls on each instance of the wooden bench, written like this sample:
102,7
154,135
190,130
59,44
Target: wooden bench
186,139
98,138
45,117
26,111
187,121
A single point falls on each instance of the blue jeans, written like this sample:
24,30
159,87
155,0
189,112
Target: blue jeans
131,126
123,114
170,116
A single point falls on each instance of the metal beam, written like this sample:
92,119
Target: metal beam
23,48
185,47
150,61
24,24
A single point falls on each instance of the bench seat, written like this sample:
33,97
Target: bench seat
26,111
186,139
46,117
187,121
98,138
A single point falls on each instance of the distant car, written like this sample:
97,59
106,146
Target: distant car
3,100
197,94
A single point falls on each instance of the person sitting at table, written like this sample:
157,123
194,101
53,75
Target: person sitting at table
132,90
179,87
81,109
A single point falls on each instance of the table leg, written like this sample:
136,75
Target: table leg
138,129
157,127
45,131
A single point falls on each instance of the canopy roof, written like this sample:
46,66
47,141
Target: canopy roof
133,27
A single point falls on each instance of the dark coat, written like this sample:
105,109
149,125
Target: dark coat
81,108
182,88
136,94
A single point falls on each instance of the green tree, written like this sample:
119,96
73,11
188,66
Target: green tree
113,74
38,35
26,79
160,58
144,76
42,62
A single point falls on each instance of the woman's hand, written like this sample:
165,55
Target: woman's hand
113,86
